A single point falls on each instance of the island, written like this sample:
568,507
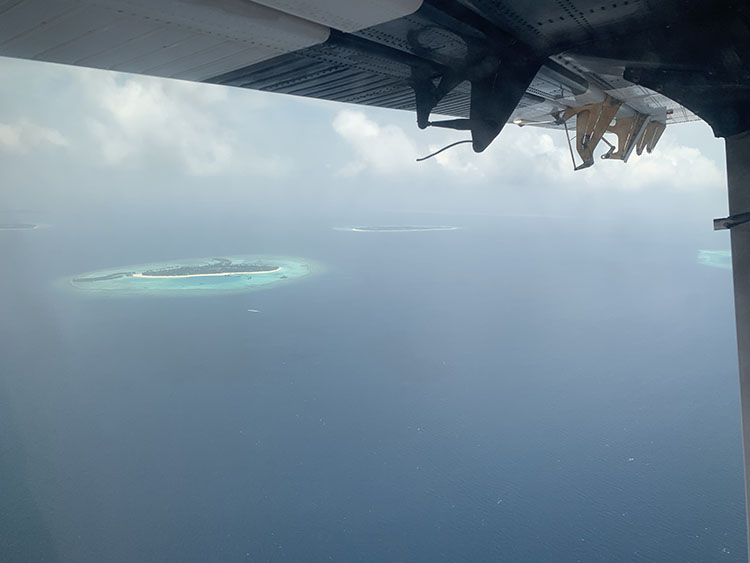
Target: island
17,226
219,267
185,277
721,259
106,277
399,228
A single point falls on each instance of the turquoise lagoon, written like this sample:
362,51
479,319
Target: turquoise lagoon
130,280
716,258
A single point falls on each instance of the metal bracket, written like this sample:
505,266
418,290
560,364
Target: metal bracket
592,121
635,132
731,221
650,137
629,131
428,95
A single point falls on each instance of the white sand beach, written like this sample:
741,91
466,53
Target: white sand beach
141,275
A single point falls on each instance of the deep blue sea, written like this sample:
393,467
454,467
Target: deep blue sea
521,389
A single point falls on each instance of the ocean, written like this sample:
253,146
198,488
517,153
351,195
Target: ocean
524,389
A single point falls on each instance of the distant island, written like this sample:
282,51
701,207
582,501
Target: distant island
715,258
401,228
17,226
219,267
183,277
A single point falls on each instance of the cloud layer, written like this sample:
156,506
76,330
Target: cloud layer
518,156
119,132
24,136
385,149
140,118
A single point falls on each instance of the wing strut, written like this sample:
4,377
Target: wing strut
738,176
496,89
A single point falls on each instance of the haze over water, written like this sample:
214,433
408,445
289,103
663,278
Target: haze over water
433,396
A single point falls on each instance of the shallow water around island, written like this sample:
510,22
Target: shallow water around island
128,280
716,258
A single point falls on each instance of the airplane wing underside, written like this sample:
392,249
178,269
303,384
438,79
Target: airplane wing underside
483,63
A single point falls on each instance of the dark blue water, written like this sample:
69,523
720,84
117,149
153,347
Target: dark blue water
525,390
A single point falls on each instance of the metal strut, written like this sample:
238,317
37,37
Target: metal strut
497,86
738,180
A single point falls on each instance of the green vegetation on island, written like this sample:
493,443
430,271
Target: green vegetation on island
219,266
108,277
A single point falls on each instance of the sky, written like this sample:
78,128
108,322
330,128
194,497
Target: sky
122,137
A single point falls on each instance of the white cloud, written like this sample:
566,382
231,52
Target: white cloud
516,156
545,156
522,156
23,136
672,166
140,118
457,161
384,149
